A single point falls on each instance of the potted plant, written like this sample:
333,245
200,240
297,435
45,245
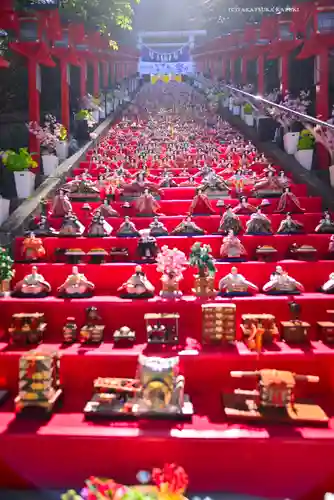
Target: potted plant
20,164
304,154
62,144
286,119
47,137
84,123
171,263
248,114
325,137
6,271
236,106
200,257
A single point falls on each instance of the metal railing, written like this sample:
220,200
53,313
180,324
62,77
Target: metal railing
300,116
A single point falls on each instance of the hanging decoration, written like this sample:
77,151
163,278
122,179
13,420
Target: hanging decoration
180,55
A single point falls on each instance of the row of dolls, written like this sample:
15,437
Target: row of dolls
258,224
137,286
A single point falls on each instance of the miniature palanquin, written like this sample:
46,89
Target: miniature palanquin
273,399
219,323
27,328
39,381
162,328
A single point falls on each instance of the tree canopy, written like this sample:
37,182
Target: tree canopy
105,15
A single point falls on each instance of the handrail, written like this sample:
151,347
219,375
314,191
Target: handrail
301,116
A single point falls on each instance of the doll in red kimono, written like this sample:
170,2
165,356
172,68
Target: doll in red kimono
289,202
201,205
146,205
244,207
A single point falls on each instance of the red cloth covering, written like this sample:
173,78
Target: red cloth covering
67,439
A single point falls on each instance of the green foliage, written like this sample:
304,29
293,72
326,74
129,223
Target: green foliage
83,115
18,162
136,494
6,265
104,14
306,140
248,109
200,257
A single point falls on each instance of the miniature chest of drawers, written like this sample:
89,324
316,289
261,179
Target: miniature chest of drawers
219,323
295,332
326,331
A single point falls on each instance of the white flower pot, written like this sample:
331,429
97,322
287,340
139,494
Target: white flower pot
4,209
226,102
305,158
25,183
96,115
62,150
236,110
102,114
230,104
242,114
249,120
50,163
290,140
109,107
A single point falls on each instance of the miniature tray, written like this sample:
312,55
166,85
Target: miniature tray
285,292
235,294
135,296
105,411
245,407
31,409
85,295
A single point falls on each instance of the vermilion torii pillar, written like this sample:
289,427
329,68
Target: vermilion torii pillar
244,61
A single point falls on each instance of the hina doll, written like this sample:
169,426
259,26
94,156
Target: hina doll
71,226
127,228
201,205
232,247
288,202
157,228
326,225
290,226
213,182
283,180
167,181
137,286
33,248
147,246
146,205
270,184
106,210
43,228
280,283
76,285
258,223
244,207
85,187
33,285
99,227
328,286
230,221
187,228
331,245
236,284
61,205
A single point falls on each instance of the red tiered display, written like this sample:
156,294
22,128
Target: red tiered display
216,454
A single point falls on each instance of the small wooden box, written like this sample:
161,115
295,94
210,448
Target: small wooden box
219,323
295,332
268,323
326,331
